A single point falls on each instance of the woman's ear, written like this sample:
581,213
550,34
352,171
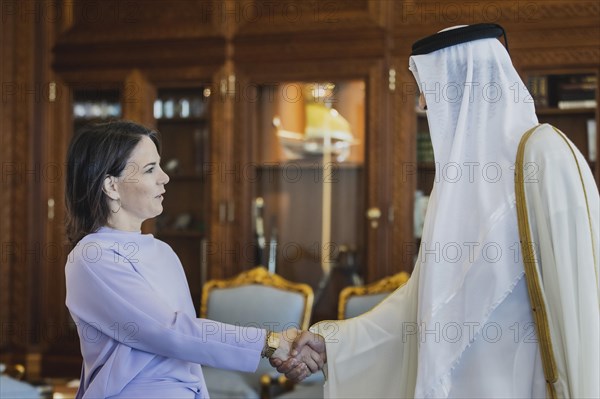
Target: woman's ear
109,186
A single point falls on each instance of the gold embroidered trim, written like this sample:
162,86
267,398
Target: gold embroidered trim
587,205
531,272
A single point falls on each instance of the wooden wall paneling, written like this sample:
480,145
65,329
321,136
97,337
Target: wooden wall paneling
310,46
329,30
403,164
9,170
139,53
138,98
334,17
61,356
379,176
244,123
221,250
565,28
115,20
49,276
24,186
24,76
140,34
219,254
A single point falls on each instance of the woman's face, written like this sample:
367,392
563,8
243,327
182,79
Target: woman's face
140,187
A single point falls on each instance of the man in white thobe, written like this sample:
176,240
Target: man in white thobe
463,326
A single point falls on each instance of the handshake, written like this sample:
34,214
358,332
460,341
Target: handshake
300,354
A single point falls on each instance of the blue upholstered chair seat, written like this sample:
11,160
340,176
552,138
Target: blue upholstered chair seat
227,384
254,298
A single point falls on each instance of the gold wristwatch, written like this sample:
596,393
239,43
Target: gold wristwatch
271,344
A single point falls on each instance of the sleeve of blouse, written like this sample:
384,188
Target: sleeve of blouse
112,297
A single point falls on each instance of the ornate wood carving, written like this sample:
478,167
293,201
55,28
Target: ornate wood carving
310,46
533,25
265,17
575,57
150,53
536,14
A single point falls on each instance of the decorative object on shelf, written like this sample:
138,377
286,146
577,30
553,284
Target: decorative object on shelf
566,91
538,88
346,260
183,221
420,209
323,125
184,108
576,91
272,261
96,109
592,137
158,109
169,108
172,165
181,106
197,107
259,228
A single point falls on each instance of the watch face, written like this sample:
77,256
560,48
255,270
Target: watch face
273,342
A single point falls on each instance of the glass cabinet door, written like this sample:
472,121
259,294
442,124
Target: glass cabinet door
95,105
182,117
308,183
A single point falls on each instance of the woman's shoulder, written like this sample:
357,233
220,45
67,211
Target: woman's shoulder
107,247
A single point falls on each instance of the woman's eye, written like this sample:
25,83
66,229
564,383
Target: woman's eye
150,170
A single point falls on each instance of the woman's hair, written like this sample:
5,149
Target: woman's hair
97,151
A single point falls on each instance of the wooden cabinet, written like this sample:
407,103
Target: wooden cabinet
567,99
182,116
305,177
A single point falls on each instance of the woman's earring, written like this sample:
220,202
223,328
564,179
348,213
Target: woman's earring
119,202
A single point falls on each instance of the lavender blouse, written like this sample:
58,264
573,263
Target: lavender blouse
138,331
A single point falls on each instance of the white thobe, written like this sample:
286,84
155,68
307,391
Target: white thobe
376,354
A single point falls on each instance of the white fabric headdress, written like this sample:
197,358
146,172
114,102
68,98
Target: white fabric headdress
478,109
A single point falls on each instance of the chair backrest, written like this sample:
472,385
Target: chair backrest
258,298
354,301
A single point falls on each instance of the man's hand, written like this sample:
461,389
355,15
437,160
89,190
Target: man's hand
286,338
308,355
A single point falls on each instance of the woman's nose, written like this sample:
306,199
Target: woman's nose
164,177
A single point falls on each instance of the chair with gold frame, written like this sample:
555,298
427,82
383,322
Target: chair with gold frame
253,298
354,301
